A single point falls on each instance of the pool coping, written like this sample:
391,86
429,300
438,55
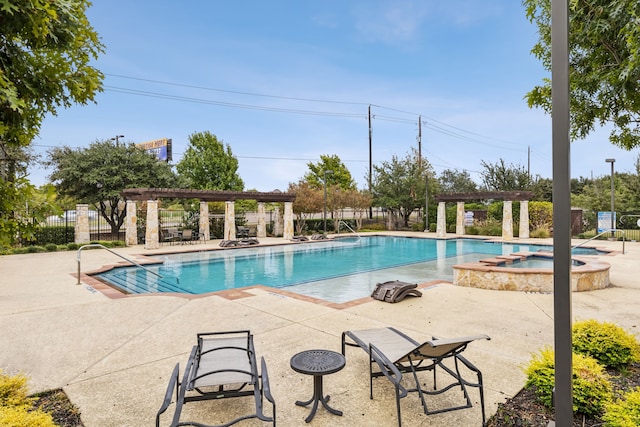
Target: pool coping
143,259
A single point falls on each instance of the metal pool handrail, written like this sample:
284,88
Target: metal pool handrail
601,234
98,245
350,229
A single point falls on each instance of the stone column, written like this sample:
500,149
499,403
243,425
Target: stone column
277,225
460,218
441,227
523,231
261,230
229,221
151,240
131,229
288,221
82,231
507,220
203,225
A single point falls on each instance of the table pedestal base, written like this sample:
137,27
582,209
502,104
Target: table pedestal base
318,397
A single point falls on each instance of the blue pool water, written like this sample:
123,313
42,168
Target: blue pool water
336,270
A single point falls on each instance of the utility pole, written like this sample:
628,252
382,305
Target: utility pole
370,162
419,141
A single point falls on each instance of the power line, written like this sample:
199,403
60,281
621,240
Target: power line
230,104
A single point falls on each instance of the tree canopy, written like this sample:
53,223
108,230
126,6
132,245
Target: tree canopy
604,60
46,48
99,173
339,175
45,53
209,164
399,184
452,181
502,177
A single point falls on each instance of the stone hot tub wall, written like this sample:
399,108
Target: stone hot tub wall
592,275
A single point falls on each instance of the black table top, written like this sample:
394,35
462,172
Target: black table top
317,362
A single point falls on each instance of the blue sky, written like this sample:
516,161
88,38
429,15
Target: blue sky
283,82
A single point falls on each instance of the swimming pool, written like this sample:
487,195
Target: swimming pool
336,270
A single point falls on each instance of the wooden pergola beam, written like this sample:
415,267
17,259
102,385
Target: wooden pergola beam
141,194
485,195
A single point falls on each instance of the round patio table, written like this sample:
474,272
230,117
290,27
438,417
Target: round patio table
317,363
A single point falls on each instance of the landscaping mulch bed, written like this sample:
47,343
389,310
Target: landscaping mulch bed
523,410
57,404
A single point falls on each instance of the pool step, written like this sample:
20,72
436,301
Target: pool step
503,259
141,285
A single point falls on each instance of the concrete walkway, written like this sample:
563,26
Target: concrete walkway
113,356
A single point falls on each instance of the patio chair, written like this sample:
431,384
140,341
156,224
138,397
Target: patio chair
222,365
396,353
170,235
188,236
395,291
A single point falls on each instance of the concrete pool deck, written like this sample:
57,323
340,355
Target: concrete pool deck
113,356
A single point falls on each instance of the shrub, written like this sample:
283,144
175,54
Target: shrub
591,386
13,391
417,226
73,246
623,412
34,249
22,416
540,233
375,227
51,247
606,342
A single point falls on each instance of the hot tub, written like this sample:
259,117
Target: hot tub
529,272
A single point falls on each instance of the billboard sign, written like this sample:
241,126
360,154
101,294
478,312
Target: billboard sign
161,148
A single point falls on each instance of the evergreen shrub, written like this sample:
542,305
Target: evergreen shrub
606,342
591,386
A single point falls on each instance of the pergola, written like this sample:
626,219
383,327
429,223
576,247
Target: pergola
143,194
515,196
507,215
151,196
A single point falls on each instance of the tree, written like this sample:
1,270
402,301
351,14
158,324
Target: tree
399,184
99,173
340,175
453,181
308,201
209,164
604,58
46,50
542,189
501,177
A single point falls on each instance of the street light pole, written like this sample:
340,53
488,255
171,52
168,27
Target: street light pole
324,210
613,222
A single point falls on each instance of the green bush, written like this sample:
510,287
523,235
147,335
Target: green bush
51,247
53,234
34,249
591,386
378,226
623,412
73,246
606,342
540,233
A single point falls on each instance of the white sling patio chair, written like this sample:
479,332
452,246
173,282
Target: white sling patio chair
222,365
395,353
